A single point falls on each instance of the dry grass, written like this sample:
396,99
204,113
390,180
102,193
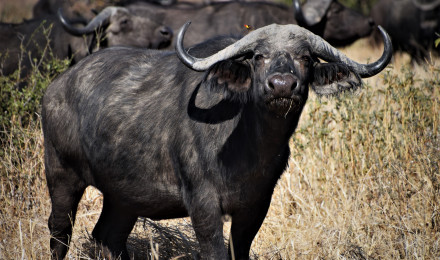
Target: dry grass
362,182
363,179
15,11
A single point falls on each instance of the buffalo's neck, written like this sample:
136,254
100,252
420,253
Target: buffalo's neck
259,139
273,133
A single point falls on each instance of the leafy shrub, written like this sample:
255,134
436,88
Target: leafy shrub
20,99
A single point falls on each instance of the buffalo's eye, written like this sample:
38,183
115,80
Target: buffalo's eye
306,59
258,57
337,10
124,22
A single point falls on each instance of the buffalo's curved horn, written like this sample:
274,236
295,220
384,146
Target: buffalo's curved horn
298,13
319,47
329,53
426,6
102,19
201,64
183,55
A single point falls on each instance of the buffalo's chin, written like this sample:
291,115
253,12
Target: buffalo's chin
283,106
164,44
160,44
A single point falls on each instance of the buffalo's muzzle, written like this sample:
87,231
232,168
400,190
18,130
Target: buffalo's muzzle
163,37
284,94
166,31
281,85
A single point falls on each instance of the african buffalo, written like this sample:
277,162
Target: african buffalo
28,40
169,134
336,23
413,26
124,28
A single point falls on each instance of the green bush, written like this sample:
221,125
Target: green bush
20,99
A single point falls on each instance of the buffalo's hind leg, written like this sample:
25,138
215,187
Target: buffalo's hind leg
61,220
66,189
113,228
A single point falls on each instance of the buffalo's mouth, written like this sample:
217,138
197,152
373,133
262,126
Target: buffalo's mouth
164,44
160,44
282,106
163,38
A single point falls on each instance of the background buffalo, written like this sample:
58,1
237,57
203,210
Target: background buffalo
337,23
413,25
27,44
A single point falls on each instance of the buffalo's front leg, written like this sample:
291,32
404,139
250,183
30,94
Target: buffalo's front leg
245,225
206,216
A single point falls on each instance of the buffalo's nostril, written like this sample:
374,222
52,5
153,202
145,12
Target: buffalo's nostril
271,86
165,31
282,84
371,22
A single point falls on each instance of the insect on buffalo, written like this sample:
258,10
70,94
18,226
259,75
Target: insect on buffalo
202,132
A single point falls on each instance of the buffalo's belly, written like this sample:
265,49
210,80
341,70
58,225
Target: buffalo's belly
147,197
161,207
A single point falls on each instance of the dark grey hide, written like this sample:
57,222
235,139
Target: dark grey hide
161,140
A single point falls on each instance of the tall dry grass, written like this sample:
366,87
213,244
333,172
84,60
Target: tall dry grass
362,182
363,179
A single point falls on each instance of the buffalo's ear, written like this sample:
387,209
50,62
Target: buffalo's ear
234,75
334,78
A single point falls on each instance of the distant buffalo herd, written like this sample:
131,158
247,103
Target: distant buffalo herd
412,25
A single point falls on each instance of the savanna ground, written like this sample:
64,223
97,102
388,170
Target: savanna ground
363,180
